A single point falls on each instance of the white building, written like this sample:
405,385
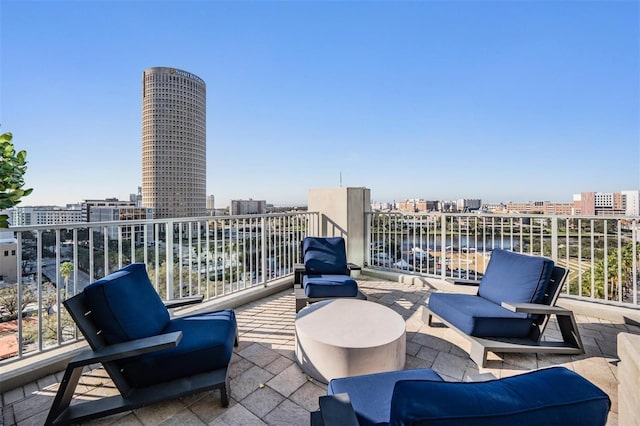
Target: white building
631,202
47,215
8,247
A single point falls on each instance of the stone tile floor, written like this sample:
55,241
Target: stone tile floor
267,386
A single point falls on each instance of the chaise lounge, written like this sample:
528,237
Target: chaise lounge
515,299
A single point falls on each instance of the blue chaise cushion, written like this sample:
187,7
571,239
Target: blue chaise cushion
206,345
514,277
371,394
325,255
329,286
125,305
553,396
479,317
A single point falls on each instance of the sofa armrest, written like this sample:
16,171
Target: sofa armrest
183,301
335,410
535,308
298,272
353,267
127,349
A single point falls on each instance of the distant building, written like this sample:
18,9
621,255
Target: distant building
417,205
381,206
447,206
211,205
137,198
174,168
467,205
47,215
240,207
8,247
114,210
631,202
600,203
564,209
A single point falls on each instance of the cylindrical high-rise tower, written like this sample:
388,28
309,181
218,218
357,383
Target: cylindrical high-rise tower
174,169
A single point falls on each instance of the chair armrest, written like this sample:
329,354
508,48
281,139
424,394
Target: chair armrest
298,271
336,410
127,349
353,267
535,308
184,301
462,281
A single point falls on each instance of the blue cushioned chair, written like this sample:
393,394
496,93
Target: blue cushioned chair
553,396
149,356
325,272
511,309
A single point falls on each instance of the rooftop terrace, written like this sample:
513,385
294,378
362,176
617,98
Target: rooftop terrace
267,386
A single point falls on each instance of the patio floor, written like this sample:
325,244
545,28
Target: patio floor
267,386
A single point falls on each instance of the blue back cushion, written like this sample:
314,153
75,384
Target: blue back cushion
554,396
514,277
370,394
125,305
325,255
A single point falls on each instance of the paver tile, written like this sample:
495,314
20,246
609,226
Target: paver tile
268,387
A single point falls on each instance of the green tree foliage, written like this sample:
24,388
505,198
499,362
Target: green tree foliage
66,270
9,299
615,282
13,166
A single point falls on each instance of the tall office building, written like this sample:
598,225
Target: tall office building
174,169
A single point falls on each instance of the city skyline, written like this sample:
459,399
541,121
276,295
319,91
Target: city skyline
502,101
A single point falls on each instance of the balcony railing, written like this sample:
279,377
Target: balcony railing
212,256
218,256
601,253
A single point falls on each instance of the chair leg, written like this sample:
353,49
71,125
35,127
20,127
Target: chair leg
478,354
224,393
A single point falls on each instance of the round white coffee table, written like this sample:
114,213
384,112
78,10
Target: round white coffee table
349,337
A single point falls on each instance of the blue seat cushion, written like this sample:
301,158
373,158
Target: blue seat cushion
325,255
371,394
514,277
206,345
329,286
479,317
125,305
553,396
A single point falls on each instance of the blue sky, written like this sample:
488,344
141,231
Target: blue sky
503,101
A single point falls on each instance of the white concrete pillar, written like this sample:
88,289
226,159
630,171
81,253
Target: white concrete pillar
342,214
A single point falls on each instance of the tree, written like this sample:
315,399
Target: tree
66,269
613,280
9,300
13,166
